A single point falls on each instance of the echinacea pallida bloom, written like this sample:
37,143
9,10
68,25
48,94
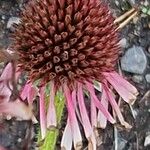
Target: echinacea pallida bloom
71,45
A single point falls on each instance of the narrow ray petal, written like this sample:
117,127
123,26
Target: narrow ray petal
127,91
84,116
77,139
115,106
51,114
74,100
93,115
102,120
98,104
42,112
66,142
7,72
32,94
89,131
5,91
28,93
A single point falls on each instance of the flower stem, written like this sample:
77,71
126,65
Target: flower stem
50,140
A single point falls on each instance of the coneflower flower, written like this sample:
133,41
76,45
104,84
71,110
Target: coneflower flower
71,46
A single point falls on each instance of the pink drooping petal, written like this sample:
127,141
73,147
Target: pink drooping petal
84,116
17,109
6,80
77,139
102,120
5,85
5,91
29,93
127,91
66,142
93,115
125,83
42,112
115,106
98,104
89,131
25,91
51,114
7,72
74,100
32,94
17,73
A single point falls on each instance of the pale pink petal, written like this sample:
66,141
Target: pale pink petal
42,112
127,91
5,81
89,131
115,106
5,85
18,73
5,91
66,142
77,139
51,114
125,83
24,91
93,115
74,100
29,93
32,94
102,120
98,104
84,116
7,72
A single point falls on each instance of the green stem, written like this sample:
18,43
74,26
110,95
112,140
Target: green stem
50,140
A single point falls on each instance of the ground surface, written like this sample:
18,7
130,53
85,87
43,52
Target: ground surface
15,135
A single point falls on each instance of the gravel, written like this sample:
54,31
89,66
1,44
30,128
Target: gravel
147,78
134,60
138,78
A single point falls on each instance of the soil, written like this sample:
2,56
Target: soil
20,135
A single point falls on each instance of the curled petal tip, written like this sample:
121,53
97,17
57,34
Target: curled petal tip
126,125
126,90
78,145
136,93
34,120
132,101
92,142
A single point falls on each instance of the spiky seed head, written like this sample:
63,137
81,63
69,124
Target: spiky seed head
66,40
